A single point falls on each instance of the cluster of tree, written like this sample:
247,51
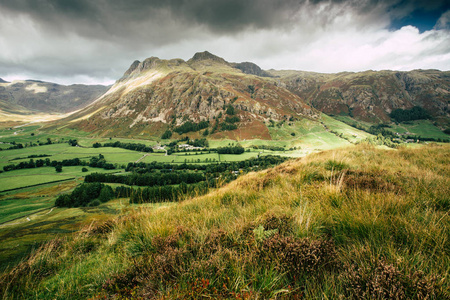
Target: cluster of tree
128,146
100,162
15,146
415,113
237,149
31,164
380,140
167,135
261,161
227,127
230,110
381,129
191,127
268,147
148,179
428,139
164,190
232,120
199,143
166,193
142,167
73,143
95,161
31,156
86,194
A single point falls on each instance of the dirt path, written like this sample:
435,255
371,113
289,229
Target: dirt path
146,154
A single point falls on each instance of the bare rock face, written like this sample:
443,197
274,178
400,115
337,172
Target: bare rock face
251,68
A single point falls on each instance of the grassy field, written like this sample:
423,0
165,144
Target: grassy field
26,177
352,223
423,128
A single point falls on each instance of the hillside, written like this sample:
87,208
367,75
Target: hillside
156,95
38,96
352,223
372,95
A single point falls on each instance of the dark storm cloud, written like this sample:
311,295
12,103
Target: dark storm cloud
110,18
92,37
226,16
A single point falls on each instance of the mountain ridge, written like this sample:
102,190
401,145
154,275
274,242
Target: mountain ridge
155,95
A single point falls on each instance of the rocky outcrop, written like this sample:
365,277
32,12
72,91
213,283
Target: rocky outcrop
251,68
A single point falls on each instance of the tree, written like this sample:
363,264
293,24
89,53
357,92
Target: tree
106,193
84,169
58,168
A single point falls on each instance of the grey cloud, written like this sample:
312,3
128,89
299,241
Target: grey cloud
100,38
221,16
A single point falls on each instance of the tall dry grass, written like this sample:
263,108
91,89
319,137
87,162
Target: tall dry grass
358,222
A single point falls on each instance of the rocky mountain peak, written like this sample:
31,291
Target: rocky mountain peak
3,81
133,67
251,68
207,56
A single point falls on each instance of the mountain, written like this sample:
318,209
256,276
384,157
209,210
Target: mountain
32,95
372,95
156,95
240,100
2,81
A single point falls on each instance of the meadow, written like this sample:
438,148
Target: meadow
357,222
359,210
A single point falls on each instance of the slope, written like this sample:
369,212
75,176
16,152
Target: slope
353,223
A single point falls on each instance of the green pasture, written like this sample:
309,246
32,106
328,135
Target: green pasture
26,177
423,128
60,152
12,208
346,130
33,228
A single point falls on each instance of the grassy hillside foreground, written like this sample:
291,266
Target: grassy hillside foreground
358,222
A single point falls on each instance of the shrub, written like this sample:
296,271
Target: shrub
385,281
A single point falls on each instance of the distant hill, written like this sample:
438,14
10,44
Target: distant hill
47,97
372,95
2,81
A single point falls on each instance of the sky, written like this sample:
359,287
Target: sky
94,42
